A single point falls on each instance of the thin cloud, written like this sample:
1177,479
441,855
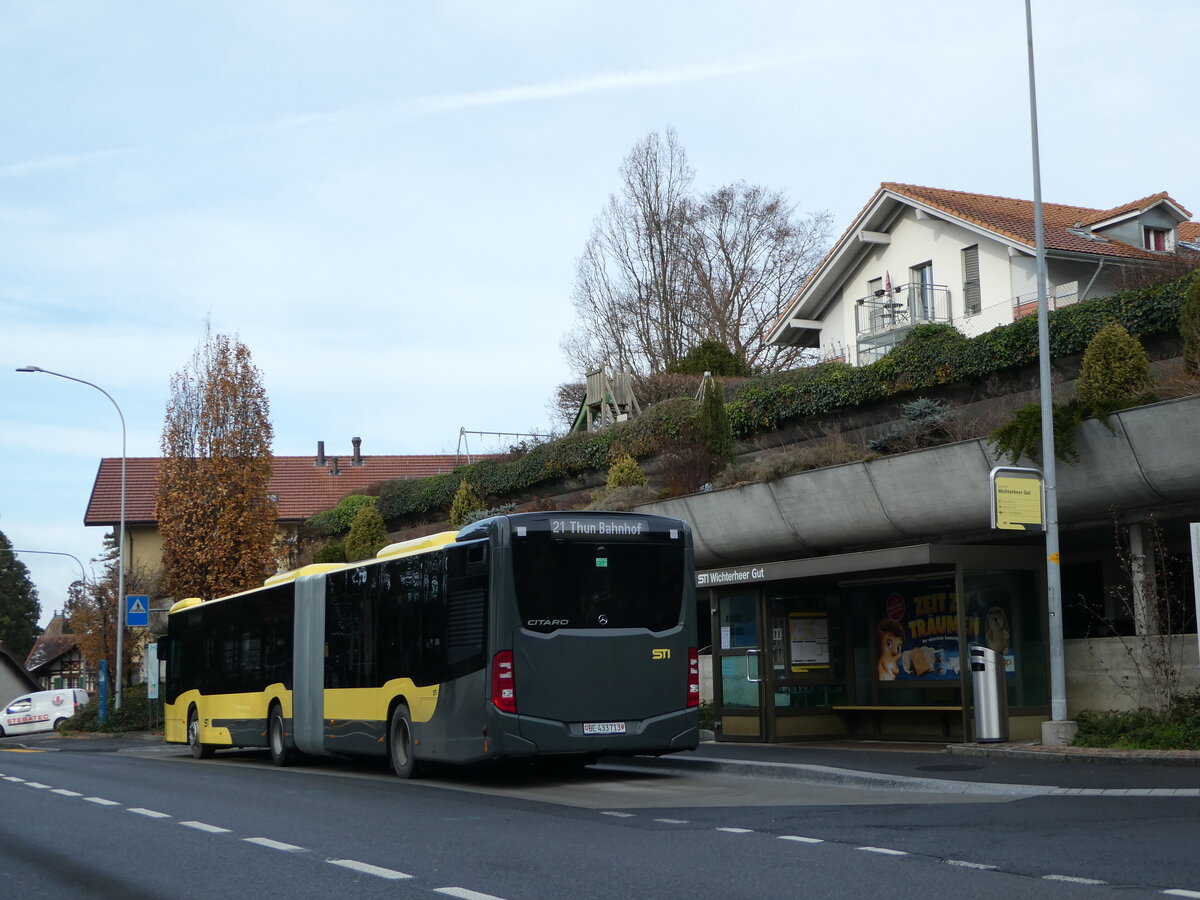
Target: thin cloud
605,82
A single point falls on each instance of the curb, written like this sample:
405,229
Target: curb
1077,755
832,776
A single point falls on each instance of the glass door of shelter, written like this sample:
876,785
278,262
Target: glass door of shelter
738,667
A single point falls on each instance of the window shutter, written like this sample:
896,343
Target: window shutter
971,296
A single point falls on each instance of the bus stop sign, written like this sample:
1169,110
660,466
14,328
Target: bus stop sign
137,611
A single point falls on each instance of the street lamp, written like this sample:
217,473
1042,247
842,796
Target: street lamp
120,539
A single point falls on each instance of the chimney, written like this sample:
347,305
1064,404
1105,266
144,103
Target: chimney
335,470
320,461
357,442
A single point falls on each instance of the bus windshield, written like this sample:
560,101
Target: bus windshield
597,584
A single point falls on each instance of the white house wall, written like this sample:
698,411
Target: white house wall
916,241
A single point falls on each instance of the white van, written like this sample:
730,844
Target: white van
41,711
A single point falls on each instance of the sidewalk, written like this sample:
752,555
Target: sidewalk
1016,768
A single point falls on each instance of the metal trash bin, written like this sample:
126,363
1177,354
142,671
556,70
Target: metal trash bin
989,684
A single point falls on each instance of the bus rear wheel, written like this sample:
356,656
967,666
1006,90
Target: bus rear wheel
400,743
199,750
281,753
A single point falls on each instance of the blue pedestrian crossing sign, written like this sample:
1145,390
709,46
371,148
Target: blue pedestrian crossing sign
137,611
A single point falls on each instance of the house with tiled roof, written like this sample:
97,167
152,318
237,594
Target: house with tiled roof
55,660
915,255
299,485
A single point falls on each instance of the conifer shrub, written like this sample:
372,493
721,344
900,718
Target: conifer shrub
712,424
1115,372
465,502
624,472
367,535
333,551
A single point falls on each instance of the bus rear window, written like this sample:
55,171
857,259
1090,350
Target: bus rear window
580,584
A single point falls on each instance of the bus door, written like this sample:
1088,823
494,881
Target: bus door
738,667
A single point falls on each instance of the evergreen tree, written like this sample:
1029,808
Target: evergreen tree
712,424
367,534
19,607
713,357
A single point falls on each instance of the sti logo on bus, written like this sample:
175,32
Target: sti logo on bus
661,653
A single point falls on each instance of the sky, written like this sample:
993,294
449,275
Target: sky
386,201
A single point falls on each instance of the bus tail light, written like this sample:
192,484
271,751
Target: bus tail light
693,693
504,686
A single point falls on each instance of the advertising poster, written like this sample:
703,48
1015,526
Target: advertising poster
916,637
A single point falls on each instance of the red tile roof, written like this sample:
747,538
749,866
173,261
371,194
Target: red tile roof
1189,231
1014,218
300,486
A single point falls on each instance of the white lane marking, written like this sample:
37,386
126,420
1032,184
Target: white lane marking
66,793
1179,892
150,813
672,821
884,850
619,815
274,845
464,894
1072,879
201,826
368,869
13,778
801,840
101,801
967,865
38,785
737,830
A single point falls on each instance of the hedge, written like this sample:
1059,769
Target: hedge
938,354
930,355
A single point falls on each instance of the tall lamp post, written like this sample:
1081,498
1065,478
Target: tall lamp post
1058,680
120,539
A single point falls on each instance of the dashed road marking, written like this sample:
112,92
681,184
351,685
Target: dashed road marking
149,813
100,801
38,785
1179,892
66,793
737,830
14,778
884,850
201,826
368,869
275,845
464,894
1072,879
672,821
619,815
967,865
800,840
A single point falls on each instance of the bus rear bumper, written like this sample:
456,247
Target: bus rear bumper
669,733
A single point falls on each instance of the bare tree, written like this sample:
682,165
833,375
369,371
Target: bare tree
749,255
216,519
663,271
633,278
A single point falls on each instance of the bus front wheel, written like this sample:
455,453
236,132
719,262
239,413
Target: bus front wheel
400,743
199,750
281,753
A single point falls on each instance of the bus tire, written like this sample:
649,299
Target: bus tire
199,750
281,753
400,743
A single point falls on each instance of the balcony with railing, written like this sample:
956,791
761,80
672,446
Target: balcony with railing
884,317
1057,296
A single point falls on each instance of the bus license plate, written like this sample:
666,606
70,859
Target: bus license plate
603,727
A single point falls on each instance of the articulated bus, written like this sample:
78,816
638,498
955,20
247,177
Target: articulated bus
546,636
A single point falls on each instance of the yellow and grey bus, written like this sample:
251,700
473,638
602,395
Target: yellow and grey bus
552,636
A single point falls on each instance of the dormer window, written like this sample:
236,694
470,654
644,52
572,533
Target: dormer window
1157,239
